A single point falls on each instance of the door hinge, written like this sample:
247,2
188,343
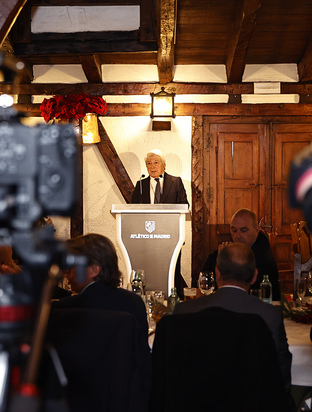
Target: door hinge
209,141
209,194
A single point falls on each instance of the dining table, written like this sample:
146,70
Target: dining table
300,345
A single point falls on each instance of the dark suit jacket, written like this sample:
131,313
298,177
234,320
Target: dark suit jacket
217,361
265,263
173,191
99,296
238,300
105,357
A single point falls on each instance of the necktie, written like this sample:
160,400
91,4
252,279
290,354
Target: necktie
157,191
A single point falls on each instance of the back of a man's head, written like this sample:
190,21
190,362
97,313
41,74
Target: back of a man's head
236,263
100,251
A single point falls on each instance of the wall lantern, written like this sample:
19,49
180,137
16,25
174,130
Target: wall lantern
162,106
90,129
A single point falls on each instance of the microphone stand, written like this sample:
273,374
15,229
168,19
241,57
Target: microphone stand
141,177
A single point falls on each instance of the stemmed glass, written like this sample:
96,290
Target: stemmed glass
206,282
309,281
301,289
149,302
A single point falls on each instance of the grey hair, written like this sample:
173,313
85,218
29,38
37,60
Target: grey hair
156,152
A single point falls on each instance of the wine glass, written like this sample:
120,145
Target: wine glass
309,281
149,302
206,282
301,289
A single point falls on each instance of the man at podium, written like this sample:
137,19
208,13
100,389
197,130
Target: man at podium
160,187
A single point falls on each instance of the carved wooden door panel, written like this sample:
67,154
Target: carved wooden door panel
247,165
237,154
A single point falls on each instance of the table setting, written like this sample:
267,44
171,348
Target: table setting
298,322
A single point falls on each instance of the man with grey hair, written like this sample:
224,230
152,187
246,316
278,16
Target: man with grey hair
160,187
171,188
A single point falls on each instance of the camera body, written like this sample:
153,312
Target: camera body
38,172
300,183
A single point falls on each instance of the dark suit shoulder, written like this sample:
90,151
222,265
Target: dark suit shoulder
141,186
99,296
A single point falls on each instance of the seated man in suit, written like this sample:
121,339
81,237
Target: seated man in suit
160,187
244,229
100,288
235,272
101,335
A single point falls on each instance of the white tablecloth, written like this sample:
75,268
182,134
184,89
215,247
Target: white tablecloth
300,346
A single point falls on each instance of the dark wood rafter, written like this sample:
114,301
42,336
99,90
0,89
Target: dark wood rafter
243,27
128,89
92,68
165,56
114,164
76,221
197,192
72,3
195,109
21,30
76,44
305,65
148,21
9,12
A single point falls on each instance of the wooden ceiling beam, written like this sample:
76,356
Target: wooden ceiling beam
84,2
9,13
148,21
243,27
92,68
128,89
305,65
82,43
167,28
114,164
196,109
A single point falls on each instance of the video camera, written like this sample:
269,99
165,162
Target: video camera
39,176
300,183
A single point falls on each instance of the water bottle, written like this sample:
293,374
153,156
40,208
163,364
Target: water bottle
266,289
172,301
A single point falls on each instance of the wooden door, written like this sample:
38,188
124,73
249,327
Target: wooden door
288,140
236,168
247,165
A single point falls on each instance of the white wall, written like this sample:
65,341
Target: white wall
132,138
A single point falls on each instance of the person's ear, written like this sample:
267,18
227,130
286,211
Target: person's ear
218,274
93,270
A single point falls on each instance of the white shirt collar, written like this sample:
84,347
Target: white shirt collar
232,286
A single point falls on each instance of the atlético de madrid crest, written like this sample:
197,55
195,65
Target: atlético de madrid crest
150,226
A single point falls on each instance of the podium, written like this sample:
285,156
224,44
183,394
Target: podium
150,237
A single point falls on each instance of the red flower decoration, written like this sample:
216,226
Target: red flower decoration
72,106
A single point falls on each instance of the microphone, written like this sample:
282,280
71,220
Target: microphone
141,177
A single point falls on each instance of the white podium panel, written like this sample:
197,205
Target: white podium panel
150,238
